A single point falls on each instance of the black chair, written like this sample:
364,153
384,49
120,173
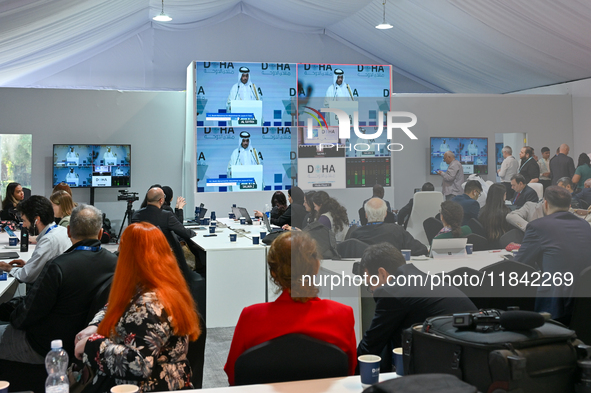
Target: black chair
362,218
291,357
501,297
432,226
581,317
390,218
513,236
27,192
478,242
476,293
477,227
351,248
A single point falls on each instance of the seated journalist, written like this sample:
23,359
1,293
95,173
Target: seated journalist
297,309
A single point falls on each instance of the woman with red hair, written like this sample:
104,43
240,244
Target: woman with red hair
144,331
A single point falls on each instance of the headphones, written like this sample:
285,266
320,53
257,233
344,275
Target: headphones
34,229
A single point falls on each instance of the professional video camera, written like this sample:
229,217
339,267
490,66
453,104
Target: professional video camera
482,321
125,195
129,197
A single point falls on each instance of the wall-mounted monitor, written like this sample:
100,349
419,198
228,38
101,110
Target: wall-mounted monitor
244,159
238,94
471,152
84,166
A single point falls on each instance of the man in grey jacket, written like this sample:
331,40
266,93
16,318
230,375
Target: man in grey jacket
453,177
527,213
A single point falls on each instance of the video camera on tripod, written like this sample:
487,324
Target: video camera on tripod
125,195
129,197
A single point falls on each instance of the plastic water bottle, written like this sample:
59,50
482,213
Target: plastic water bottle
56,364
267,210
197,211
212,216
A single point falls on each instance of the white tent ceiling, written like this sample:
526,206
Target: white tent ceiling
459,46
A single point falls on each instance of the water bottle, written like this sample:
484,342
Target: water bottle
212,216
267,210
56,364
197,211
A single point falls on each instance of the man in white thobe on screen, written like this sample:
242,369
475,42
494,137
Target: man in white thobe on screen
338,91
245,154
243,89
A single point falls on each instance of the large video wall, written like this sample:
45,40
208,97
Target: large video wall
265,126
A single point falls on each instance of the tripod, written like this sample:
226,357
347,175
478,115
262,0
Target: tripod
128,214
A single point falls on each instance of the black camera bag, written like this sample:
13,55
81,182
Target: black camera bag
538,360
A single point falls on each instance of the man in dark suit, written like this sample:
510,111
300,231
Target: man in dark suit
399,307
558,244
523,192
378,192
469,200
167,222
377,231
404,213
58,304
561,165
528,167
568,185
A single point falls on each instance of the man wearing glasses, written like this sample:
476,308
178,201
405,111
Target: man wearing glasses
469,200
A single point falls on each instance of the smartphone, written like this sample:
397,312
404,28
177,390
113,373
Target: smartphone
210,235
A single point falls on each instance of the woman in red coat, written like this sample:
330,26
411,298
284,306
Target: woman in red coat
297,309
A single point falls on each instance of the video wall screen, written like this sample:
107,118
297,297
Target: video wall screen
252,125
471,152
239,94
82,166
244,159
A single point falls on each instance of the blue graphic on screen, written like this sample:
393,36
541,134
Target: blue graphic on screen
499,153
221,153
245,94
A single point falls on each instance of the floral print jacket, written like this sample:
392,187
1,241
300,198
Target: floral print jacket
145,351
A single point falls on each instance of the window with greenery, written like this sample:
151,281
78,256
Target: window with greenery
15,160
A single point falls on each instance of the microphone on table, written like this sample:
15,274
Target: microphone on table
521,320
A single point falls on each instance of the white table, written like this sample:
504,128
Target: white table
476,261
350,384
236,272
10,284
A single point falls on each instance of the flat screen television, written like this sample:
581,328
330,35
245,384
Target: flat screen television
85,166
471,152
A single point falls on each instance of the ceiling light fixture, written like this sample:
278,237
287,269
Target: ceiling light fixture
162,17
383,25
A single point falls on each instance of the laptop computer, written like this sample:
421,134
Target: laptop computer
268,224
242,212
450,248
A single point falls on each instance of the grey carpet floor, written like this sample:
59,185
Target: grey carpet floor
217,346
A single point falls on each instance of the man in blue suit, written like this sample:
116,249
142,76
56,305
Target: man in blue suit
558,244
